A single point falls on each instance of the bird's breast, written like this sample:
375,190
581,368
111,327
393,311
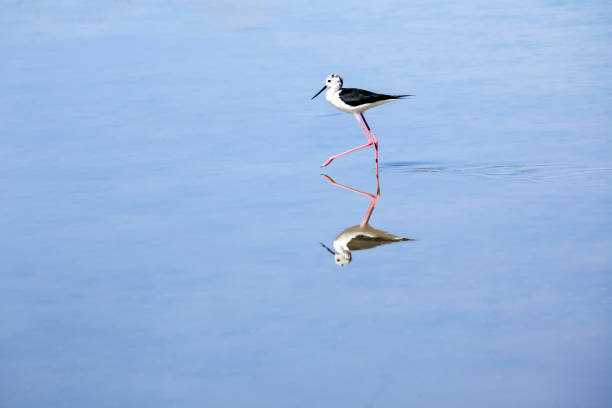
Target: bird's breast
333,98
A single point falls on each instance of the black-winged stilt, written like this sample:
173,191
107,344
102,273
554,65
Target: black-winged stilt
355,101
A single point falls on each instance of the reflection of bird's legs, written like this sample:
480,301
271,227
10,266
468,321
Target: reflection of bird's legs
347,187
370,141
370,210
374,198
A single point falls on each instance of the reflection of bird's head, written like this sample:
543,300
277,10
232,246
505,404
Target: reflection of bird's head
341,257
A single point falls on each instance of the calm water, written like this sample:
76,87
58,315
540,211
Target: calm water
162,205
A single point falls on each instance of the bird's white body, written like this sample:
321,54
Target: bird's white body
333,97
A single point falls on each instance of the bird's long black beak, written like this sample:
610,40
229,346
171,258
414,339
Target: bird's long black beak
322,89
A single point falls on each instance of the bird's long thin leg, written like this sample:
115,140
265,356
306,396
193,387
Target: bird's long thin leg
368,134
370,130
373,138
370,142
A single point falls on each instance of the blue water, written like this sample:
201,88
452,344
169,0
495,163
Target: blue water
162,205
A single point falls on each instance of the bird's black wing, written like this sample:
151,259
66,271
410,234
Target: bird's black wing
356,97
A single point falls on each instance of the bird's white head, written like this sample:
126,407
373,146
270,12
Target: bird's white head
332,82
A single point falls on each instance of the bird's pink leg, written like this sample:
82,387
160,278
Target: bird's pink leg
356,148
373,138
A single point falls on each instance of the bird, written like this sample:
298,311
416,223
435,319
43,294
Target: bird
362,236
355,101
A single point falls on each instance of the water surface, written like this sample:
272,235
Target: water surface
162,205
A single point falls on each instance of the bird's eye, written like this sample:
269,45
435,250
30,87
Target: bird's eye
329,80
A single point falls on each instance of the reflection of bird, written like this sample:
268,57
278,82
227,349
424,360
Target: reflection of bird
361,236
355,101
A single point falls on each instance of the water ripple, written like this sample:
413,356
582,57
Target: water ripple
532,172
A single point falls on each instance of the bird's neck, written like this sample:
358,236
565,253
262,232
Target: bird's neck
331,92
